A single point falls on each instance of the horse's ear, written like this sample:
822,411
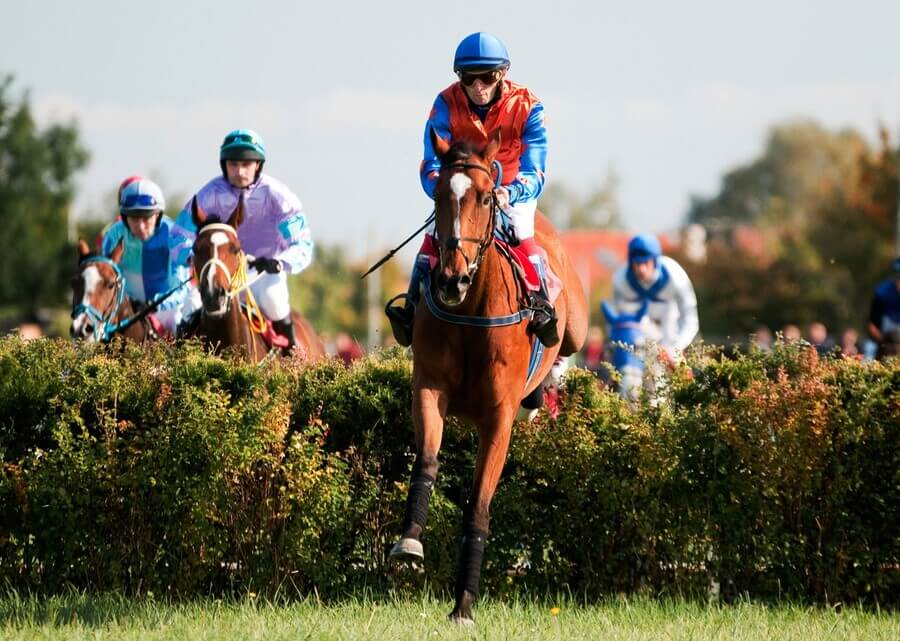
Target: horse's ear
83,249
237,216
197,214
493,147
117,251
441,146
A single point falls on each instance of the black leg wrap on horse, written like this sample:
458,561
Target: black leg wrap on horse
470,557
420,488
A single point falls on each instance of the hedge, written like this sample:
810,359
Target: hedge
171,471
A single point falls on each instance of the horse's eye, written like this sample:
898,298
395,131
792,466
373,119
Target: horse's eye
235,250
486,201
109,284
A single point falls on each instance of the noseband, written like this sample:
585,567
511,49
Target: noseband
453,242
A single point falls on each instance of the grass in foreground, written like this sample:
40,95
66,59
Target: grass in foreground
109,617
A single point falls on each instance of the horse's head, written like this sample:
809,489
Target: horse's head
217,257
465,207
625,335
98,290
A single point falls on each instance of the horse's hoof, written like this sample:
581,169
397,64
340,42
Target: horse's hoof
461,619
407,550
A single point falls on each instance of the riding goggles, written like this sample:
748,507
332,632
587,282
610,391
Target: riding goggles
244,138
139,201
468,78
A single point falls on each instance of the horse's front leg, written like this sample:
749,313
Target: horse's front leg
493,443
428,410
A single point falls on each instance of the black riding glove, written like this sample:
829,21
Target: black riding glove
270,265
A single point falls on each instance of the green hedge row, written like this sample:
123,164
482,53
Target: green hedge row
170,471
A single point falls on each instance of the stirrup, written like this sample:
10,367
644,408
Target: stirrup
401,318
543,321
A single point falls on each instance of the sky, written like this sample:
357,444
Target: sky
668,95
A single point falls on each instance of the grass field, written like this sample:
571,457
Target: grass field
83,617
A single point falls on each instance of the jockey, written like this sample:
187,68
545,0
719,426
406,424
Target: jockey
146,231
662,283
884,313
274,229
472,109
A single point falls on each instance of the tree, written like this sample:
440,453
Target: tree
36,193
824,205
599,209
800,165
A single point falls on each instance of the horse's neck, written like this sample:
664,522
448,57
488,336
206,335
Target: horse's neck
495,288
136,331
233,329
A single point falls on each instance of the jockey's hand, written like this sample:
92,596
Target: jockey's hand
270,265
502,194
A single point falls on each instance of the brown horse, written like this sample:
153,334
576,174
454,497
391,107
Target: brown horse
467,365
100,308
221,268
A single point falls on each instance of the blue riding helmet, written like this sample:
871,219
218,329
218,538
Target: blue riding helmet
644,247
141,197
480,51
242,144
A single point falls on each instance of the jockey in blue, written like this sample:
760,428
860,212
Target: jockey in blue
661,283
274,230
146,264
472,109
884,314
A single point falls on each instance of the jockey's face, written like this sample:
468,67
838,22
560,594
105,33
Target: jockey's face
481,93
644,270
241,173
142,227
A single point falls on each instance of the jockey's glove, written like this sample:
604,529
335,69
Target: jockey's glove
263,264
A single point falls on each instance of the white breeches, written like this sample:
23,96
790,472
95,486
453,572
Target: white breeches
522,217
271,294
169,318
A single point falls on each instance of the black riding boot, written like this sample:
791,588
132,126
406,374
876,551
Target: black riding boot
402,318
543,320
285,327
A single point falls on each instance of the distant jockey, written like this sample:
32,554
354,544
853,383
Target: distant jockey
472,109
662,283
274,229
884,314
150,274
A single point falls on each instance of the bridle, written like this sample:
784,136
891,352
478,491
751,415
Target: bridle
104,327
237,282
453,242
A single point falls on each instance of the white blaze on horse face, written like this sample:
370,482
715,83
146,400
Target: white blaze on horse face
92,280
218,238
460,184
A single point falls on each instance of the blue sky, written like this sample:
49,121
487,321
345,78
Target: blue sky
668,95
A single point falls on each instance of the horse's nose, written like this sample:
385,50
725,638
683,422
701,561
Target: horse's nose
454,286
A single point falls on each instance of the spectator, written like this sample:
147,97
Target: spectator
762,338
790,333
817,335
850,344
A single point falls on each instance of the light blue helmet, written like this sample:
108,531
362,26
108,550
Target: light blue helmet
480,51
644,247
242,144
141,197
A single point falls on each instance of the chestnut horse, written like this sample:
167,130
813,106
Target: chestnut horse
472,351
221,268
100,308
